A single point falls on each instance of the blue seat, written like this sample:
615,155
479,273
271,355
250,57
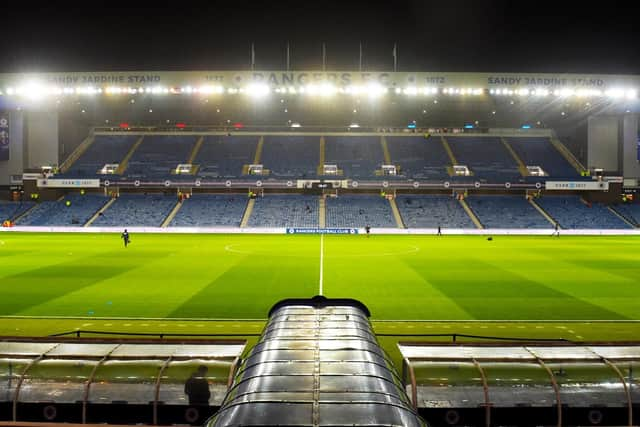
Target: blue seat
540,152
285,211
419,158
572,213
357,211
291,156
357,156
506,212
104,149
486,157
141,210
57,213
204,210
432,211
224,156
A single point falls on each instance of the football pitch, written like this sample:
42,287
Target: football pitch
576,288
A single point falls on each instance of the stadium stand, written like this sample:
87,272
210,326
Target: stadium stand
540,152
205,210
285,211
159,155
12,210
57,213
630,211
486,157
358,211
223,156
105,149
418,157
356,156
291,156
425,211
506,212
572,213
143,210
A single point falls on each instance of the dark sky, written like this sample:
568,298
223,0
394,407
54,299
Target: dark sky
443,35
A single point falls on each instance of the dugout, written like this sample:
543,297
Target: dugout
110,382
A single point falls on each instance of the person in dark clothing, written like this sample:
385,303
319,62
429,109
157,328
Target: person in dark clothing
125,238
557,230
439,231
197,387
367,228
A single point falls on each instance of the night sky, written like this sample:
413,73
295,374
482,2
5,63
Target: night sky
444,35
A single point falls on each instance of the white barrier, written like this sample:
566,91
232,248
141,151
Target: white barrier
283,230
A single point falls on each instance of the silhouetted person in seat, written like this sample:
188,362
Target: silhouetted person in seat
197,387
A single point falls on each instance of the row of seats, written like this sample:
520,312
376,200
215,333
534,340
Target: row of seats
72,210
416,211
506,212
139,210
571,212
224,156
358,211
204,210
9,211
630,211
432,211
285,211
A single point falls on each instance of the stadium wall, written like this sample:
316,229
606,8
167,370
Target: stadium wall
631,135
41,136
603,144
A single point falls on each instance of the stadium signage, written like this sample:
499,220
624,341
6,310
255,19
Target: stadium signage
545,81
322,231
577,185
68,183
169,79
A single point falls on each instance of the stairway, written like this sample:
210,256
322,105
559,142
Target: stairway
567,154
125,162
544,213
396,213
522,168
247,213
471,214
322,212
75,155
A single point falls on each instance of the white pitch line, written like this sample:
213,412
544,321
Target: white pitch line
321,261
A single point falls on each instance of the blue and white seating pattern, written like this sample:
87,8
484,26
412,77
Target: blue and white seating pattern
285,211
432,212
506,212
357,156
57,213
11,210
103,150
158,156
540,152
137,210
224,156
358,211
205,210
419,158
291,156
486,157
631,211
572,213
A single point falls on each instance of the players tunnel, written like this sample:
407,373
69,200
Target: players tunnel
318,363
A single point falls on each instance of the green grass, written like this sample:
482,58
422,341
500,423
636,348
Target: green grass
539,287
